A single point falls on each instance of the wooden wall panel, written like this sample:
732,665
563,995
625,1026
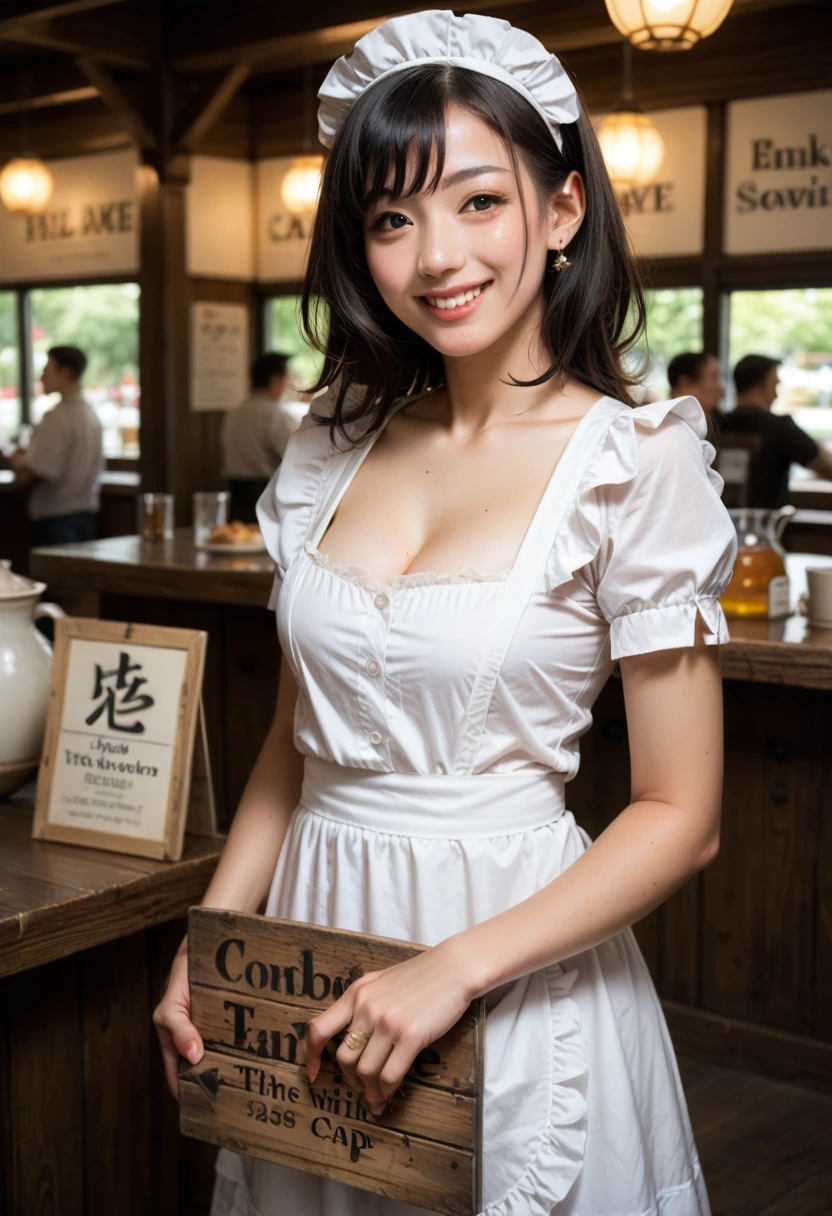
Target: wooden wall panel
758,895
117,1046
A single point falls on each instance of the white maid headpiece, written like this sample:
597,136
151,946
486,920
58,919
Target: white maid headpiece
482,44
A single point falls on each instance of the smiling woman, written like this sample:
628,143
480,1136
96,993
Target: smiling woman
454,585
437,168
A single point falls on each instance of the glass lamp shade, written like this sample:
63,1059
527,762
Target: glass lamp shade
667,25
26,185
300,187
632,147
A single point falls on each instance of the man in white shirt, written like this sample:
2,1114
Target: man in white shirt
254,435
63,462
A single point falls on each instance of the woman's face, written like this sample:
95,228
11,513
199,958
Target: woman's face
448,264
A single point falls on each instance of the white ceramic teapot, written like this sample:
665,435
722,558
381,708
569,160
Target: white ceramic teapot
25,669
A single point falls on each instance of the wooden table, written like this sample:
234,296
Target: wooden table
174,584
86,941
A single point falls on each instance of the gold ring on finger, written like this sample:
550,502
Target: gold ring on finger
356,1040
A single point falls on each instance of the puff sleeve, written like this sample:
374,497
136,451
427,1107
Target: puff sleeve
286,506
670,546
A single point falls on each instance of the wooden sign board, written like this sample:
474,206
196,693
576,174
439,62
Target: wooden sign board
125,759
255,981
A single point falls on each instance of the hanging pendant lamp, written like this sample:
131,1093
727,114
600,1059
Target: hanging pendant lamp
633,149
667,25
301,186
26,185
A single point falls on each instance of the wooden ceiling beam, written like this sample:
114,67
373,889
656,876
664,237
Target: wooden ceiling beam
579,25
115,98
206,107
23,12
52,82
91,39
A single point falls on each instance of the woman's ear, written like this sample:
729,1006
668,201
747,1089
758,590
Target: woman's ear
566,211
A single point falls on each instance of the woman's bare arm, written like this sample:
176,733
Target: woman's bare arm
242,877
668,832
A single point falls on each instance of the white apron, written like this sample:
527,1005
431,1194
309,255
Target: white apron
584,1109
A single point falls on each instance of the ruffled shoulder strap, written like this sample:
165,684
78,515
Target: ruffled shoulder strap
288,503
616,462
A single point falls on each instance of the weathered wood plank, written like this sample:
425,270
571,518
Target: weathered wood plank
246,1023
265,1034
294,1131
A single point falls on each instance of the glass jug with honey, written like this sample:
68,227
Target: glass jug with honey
759,586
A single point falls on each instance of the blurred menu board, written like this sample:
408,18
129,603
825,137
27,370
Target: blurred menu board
219,355
89,228
778,187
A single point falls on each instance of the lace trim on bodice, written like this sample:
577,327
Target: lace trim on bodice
361,577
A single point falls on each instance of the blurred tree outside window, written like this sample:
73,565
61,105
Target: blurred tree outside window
10,415
103,320
794,325
283,334
674,325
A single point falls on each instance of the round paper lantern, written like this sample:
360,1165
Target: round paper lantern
632,147
26,185
667,25
300,187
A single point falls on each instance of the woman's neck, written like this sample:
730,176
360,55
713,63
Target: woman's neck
478,387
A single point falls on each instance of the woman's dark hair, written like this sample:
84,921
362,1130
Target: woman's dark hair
587,308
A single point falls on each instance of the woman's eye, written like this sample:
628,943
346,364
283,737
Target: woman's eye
396,221
484,202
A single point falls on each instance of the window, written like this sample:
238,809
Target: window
10,405
674,324
102,320
794,325
283,334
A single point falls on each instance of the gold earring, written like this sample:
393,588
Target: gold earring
561,261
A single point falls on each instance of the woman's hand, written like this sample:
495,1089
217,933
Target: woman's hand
400,1010
177,1034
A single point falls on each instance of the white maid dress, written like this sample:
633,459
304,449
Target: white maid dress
440,716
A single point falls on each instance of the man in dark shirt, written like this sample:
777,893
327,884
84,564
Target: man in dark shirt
697,374
782,442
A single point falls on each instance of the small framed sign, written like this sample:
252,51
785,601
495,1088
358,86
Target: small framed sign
255,981
125,759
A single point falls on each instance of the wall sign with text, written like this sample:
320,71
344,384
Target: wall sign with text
124,761
282,238
90,228
219,355
778,187
667,218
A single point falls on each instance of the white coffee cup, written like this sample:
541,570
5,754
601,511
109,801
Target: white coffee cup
819,582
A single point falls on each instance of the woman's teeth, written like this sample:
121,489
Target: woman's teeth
455,301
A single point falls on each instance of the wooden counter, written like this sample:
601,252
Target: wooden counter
171,570
87,1127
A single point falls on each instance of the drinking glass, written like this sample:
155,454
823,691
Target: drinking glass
155,517
210,511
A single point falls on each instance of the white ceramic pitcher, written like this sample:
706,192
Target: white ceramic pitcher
25,669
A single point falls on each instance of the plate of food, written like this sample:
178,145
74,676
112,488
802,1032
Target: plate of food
233,537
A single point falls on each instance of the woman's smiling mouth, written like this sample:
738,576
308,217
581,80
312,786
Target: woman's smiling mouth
454,303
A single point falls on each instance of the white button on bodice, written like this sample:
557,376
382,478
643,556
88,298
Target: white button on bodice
375,737
373,667
381,600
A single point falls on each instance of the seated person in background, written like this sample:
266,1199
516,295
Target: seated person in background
783,441
254,435
697,374
62,465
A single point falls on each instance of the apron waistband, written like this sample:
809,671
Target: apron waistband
444,806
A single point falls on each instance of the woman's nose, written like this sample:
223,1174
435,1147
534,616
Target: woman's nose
439,250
